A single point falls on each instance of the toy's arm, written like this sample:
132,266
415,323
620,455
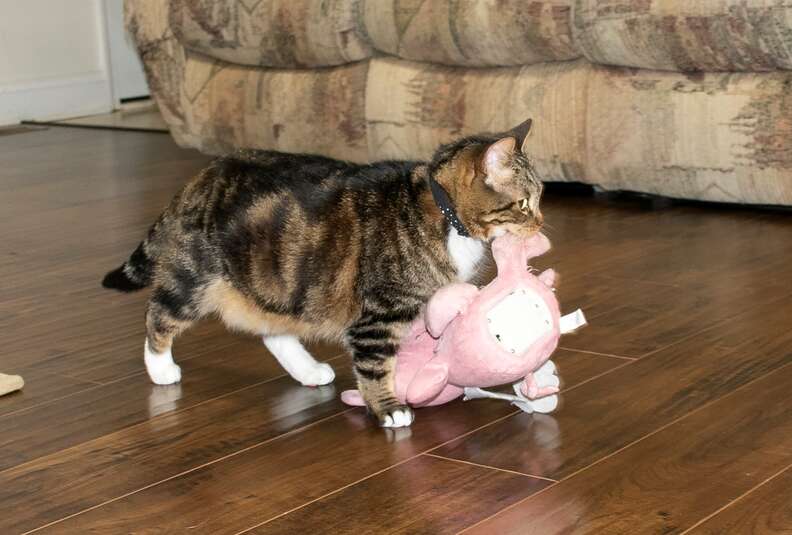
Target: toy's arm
446,304
427,383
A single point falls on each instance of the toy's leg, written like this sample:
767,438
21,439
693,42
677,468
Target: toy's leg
542,387
353,398
543,382
427,384
450,392
547,376
298,362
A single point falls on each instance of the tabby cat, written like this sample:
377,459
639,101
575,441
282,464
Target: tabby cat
296,247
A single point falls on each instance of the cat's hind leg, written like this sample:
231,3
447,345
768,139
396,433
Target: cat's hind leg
166,318
296,360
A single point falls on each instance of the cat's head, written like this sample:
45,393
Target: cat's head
491,182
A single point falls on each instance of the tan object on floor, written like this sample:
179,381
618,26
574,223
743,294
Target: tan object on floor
10,383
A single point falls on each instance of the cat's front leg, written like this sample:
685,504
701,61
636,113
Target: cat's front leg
374,342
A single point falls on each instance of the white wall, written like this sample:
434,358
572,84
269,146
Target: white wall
53,59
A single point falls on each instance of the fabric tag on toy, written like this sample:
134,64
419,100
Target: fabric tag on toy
572,322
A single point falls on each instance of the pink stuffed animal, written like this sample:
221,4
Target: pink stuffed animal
471,338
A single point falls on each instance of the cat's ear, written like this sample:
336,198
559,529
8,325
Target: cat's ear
521,132
496,162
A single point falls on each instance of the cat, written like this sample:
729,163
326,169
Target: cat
292,247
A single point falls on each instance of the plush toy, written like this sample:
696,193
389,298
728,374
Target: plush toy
469,339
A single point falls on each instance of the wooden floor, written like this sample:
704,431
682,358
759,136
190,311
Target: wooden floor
677,401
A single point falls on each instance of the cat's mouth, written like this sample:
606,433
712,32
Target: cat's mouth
523,231
525,221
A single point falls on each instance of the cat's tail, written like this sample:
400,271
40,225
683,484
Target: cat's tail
132,275
136,273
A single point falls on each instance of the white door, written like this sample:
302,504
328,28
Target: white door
126,71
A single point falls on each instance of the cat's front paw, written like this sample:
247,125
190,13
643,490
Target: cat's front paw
399,416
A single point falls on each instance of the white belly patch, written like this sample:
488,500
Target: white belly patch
518,320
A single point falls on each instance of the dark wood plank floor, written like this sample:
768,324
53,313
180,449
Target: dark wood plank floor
676,412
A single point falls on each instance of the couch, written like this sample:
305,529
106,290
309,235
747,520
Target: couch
681,98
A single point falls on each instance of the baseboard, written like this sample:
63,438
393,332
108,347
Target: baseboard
49,100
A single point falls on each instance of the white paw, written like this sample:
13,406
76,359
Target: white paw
546,404
161,368
317,374
298,362
398,418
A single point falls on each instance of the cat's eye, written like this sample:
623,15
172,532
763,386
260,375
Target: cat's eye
523,204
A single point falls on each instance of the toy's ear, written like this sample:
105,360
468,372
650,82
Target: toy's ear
548,277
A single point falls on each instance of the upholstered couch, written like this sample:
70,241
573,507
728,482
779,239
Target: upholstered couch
683,98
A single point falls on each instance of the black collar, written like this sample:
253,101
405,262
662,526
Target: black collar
446,205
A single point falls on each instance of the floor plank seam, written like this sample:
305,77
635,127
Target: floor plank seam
87,381
135,374
185,472
34,369
603,273
513,472
142,371
193,357
97,385
163,415
595,377
328,494
737,499
89,385
631,444
715,325
48,402
693,334
596,353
